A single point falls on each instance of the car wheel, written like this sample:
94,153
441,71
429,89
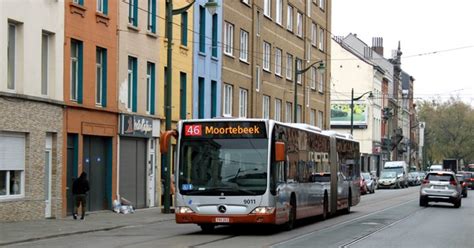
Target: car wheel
457,204
423,202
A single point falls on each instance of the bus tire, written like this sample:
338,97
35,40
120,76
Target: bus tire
292,214
325,207
349,202
207,228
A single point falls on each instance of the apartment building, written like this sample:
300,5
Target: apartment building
264,42
31,109
90,96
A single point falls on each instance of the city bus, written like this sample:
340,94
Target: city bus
243,171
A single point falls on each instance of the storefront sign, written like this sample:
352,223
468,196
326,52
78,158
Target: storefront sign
136,126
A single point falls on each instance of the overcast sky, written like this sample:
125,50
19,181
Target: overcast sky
437,39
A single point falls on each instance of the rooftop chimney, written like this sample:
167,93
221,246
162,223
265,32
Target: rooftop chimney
377,45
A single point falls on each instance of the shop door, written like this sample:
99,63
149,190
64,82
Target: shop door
133,171
95,163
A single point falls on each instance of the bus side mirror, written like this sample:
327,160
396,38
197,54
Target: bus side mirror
165,139
279,151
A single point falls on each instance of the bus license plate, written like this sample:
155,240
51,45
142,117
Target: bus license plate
222,220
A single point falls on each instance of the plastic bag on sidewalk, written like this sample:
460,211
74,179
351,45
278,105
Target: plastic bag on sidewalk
126,209
116,206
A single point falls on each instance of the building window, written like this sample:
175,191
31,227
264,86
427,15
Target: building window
289,66
278,61
313,77
202,29
288,111
150,88
80,2
312,117
258,23
214,35
314,34
321,39
322,4
133,13
151,22
266,56
266,107
101,77
11,55
320,119
228,38
289,18
298,68
277,109
46,59
267,8
227,100
244,45
298,113
213,98
12,165
321,82
183,95
257,78
76,71
201,97
279,11
184,29
132,84
243,96
102,6
299,24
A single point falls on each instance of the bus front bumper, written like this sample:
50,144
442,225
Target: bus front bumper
225,219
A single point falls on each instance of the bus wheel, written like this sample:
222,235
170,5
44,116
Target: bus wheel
292,218
207,228
325,207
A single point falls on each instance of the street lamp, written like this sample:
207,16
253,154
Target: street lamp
352,105
321,67
211,5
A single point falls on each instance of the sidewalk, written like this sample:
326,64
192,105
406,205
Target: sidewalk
18,232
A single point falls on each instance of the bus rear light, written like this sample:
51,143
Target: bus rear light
263,210
184,210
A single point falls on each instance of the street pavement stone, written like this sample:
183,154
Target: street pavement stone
24,231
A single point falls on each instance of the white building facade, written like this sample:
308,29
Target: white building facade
31,109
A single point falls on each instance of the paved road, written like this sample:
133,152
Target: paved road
388,218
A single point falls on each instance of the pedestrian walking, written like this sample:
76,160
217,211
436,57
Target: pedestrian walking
80,187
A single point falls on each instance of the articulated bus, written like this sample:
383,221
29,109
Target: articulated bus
236,171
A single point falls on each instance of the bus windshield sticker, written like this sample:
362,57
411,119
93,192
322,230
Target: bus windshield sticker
187,187
224,130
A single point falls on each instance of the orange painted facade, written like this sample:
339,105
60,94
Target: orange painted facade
95,30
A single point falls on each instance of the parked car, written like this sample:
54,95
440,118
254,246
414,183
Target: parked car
441,186
363,186
369,181
389,179
461,180
413,178
468,178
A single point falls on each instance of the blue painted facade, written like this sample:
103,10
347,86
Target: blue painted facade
206,64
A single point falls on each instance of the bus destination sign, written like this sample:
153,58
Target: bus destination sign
224,130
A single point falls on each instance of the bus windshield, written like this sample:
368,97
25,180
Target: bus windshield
216,166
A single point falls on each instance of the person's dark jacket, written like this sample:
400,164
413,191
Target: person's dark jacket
80,186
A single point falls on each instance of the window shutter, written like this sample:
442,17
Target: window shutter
12,151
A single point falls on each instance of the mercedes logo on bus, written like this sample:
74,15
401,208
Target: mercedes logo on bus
221,208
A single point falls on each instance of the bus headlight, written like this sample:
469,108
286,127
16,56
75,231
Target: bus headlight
263,210
184,210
